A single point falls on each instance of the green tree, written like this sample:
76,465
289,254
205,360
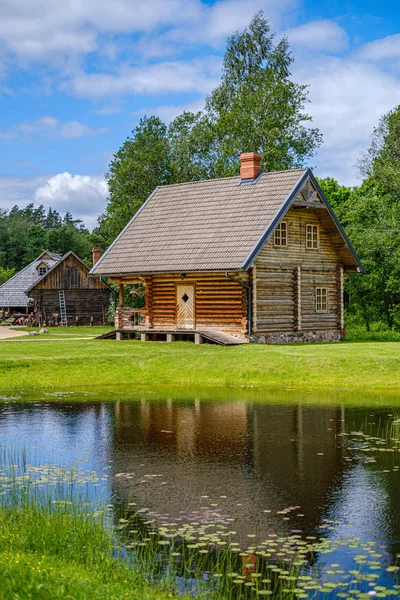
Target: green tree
338,197
5,274
373,224
142,163
257,107
382,159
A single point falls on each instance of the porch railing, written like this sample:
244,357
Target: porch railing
128,318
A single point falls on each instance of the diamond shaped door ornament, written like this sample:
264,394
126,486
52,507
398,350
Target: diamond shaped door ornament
185,297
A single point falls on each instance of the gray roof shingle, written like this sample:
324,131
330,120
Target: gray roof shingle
13,291
199,226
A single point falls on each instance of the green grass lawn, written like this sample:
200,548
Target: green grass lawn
55,554
85,363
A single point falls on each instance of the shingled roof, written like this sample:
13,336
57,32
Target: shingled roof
13,291
198,226
212,225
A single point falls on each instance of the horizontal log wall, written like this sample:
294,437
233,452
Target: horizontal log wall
219,303
285,295
275,305
311,320
286,278
295,253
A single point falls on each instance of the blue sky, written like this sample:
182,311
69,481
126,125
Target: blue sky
76,76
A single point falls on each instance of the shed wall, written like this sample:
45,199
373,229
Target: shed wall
70,274
82,304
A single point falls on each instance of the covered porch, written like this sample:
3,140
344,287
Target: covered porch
200,307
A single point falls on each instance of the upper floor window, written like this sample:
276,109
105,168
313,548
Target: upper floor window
321,299
281,235
42,271
312,237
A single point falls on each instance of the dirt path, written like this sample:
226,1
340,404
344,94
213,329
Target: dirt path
7,333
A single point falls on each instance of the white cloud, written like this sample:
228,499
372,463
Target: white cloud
49,127
18,190
347,99
198,75
387,48
44,31
219,20
323,35
82,195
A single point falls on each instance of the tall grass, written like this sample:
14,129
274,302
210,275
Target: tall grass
56,543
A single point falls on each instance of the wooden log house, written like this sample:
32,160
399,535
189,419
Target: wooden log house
260,257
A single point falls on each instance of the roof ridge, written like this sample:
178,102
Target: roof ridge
236,177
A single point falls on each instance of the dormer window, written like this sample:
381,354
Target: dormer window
280,236
42,270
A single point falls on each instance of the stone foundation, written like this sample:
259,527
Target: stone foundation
297,337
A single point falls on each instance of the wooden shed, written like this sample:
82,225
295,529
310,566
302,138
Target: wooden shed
66,295
260,257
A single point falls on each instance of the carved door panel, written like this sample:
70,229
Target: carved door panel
185,318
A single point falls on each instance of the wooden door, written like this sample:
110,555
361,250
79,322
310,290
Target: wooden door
185,306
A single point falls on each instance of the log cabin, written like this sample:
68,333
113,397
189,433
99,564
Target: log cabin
56,290
260,257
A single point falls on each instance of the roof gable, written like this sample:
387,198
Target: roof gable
75,259
307,192
13,291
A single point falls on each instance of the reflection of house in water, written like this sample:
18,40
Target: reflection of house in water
260,456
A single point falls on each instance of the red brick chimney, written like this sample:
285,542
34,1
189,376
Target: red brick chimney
96,253
249,165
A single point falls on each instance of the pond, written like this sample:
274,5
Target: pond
275,478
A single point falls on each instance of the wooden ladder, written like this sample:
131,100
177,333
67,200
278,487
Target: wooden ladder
63,309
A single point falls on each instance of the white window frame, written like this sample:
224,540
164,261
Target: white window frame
314,231
42,270
321,299
278,235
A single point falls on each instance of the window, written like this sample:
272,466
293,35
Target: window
42,271
312,237
321,300
280,236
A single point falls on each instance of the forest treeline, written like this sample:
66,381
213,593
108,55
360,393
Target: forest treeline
26,232
256,107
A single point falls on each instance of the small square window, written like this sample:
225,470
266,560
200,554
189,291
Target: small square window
321,300
42,271
312,237
281,235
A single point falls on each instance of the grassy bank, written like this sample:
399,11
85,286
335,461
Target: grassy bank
61,554
76,364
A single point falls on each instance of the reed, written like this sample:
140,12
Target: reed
58,541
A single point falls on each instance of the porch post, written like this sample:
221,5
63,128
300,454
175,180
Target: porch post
121,294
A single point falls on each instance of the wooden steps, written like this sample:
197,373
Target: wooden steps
220,337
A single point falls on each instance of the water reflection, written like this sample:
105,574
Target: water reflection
268,467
